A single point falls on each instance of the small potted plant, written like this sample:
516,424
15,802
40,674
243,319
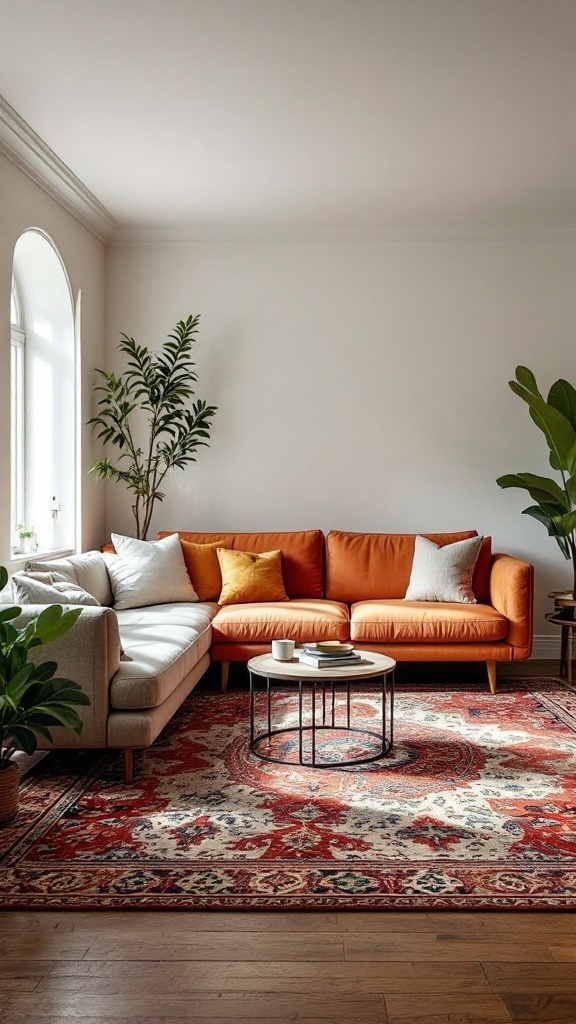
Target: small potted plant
32,698
26,538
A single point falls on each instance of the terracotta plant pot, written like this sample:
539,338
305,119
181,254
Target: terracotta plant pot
9,783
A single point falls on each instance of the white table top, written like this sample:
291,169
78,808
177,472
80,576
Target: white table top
372,664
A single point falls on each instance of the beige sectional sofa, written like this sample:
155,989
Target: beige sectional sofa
137,665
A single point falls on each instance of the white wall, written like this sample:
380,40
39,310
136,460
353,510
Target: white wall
360,386
23,205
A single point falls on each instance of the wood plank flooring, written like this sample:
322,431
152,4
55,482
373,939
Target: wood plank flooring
146,967
273,968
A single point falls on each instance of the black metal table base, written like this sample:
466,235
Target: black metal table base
322,717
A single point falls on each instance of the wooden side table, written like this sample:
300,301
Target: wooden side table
564,607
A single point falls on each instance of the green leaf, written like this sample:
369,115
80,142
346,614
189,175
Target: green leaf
562,396
540,488
559,433
527,380
9,613
568,524
23,738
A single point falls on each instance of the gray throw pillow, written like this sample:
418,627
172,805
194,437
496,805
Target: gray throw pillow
88,570
27,590
443,573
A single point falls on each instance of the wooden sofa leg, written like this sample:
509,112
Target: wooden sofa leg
224,666
128,765
491,666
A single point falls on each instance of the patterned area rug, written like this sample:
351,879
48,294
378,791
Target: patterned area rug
475,808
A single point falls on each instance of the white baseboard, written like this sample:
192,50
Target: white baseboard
545,647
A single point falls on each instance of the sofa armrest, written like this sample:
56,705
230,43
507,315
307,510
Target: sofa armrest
512,594
89,654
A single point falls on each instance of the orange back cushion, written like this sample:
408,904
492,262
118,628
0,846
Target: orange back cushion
372,566
203,568
302,554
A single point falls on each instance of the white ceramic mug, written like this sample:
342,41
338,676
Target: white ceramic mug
283,650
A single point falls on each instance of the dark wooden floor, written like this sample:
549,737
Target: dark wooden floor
271,968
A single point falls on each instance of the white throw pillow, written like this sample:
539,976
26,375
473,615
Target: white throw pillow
443,573
148,572
30,590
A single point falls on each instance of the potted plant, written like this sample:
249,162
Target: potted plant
160,386
554,500
32,698
26,538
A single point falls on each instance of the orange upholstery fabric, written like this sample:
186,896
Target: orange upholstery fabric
203,568
500,650
512,594
247,576
373,566
299,620
425,621
302,554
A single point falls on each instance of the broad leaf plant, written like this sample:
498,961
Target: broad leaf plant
158,385
554,501
32,697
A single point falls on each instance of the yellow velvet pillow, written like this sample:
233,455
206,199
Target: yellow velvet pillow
203,568
247,576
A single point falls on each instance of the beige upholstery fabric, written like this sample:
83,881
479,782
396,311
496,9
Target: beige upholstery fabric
140,728
162,644
90,655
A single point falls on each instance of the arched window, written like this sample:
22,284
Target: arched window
43,395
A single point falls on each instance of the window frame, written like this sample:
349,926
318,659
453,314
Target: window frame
17,413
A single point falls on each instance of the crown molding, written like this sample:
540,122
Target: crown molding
31,154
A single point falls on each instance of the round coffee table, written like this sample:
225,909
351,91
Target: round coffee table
317,688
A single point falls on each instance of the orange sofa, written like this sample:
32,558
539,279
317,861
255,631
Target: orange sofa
350,586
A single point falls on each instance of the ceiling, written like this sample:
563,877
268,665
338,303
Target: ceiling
226,117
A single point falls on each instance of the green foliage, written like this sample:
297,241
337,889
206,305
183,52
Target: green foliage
160,386
555,503
24,532
32,697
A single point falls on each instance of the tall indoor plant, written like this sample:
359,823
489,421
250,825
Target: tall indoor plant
32,698
554,501
158,385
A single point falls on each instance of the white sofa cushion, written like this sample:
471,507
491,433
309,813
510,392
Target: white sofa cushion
162,644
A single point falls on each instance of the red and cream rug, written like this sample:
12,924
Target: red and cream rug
475,808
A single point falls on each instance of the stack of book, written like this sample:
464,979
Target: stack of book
329,654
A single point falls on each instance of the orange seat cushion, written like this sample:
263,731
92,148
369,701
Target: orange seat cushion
248,576
424,621
377,566
302,554
297,620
